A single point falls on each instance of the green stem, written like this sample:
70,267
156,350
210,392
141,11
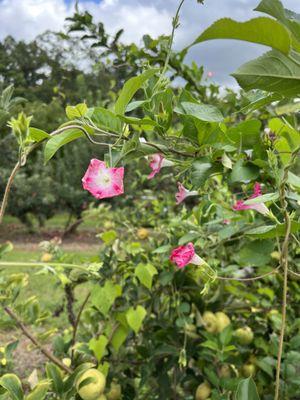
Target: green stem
174,26
41,264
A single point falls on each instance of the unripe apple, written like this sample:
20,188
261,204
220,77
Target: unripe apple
222,321
115,392
142,233
46,257
94,389
248,370
203,391
244,335
210,321
224,371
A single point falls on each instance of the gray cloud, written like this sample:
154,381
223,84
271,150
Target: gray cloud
24,19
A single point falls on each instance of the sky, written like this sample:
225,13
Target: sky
24,19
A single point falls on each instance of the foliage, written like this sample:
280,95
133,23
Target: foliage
213,327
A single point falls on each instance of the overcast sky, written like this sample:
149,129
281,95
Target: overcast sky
24,19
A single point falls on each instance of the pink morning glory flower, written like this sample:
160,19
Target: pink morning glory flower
102,181
183,193
157,162
184,255
260,207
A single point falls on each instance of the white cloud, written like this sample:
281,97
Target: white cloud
24,19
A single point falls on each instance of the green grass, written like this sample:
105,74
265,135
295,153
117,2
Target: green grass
46,287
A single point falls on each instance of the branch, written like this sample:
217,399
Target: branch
76,324
26,332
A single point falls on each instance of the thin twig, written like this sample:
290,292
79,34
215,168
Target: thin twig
255,278
7,189
75,328
284,263
28,334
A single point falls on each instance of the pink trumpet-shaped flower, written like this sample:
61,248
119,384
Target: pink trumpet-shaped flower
184,255
260,207
103,182
157,162
183,193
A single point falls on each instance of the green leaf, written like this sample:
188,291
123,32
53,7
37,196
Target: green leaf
77,111
246,390
244,172
98,346
135,317
203,112
145,273
272,231
202,168
256,253
40,391
130,88
106,119
12,384
259,30
263,199
286,17
37,134
108,237
272,72
104,297
293,179
246,134
56,142
119,337
54,374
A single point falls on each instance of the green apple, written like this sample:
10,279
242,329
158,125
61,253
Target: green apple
115,392
203,391
244,335
248,370
210,321
222,321
94,387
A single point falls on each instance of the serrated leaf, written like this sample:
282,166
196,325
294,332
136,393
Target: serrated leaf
273,72
135,317
145,274
12,384
261,30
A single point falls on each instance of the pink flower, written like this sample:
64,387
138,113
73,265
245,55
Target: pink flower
260,207
184,255
210,74
103,182
183,193
157,162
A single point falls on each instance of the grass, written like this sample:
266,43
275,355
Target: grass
46,287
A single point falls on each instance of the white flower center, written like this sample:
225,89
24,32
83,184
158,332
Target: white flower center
104,178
